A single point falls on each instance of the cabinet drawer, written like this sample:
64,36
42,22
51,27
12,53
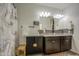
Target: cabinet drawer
52,44
51,38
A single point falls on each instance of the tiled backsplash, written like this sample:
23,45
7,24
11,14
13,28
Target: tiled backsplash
55,31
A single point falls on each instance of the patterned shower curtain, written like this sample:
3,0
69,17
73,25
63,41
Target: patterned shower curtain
8,29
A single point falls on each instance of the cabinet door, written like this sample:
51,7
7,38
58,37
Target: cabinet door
39,41
52,44
66,43
30,45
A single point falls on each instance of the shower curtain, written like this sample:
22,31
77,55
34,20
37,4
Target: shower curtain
8,29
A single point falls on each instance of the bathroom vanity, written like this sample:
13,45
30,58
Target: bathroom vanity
53,44
47,44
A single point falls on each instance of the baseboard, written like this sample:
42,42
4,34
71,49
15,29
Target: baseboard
74,52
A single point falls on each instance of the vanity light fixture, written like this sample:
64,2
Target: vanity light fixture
44,14
58,16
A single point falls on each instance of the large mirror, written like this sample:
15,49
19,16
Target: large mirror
46,23
55,24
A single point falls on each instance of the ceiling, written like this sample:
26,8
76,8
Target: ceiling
61,6
55,5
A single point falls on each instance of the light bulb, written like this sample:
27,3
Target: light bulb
58,16
44,14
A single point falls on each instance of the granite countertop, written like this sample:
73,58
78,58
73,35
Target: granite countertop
48,35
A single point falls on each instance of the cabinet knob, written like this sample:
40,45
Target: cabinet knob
66,40
34,44
53,41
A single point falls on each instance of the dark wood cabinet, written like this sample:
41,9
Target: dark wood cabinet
30,41
66,43
52,45
56,44
48,45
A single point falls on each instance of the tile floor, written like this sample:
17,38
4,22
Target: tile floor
66,53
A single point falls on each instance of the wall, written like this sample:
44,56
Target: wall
71,14
27,13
